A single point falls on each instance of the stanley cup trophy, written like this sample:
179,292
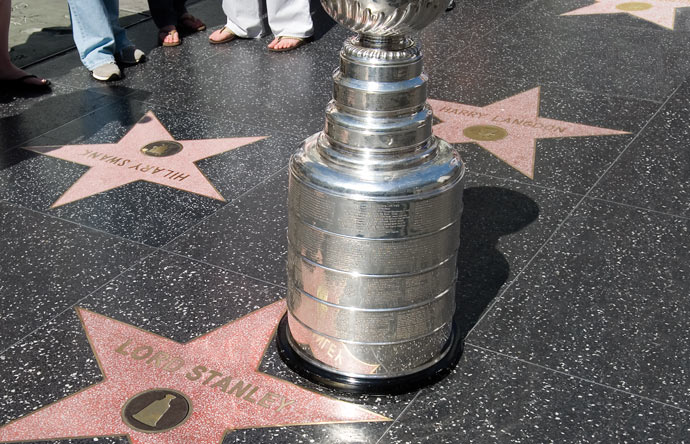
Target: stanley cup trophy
374,217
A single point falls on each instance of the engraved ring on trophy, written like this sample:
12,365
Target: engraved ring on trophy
374,208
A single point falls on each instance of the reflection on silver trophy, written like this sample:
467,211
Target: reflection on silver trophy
374,216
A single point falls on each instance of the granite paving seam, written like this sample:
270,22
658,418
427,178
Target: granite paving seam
632,141
517,182
577,206
75,304
476,37
219,267
77,224
28,142
169,75
635,207
628,27
580,378
200,221
395,421
154,249
215,117
543,83
71,48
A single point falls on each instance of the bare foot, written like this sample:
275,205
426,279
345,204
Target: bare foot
285,43
169,36
11,72
221,35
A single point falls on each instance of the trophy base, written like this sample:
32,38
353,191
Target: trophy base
368,385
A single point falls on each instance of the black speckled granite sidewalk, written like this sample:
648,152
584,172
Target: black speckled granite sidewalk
573,271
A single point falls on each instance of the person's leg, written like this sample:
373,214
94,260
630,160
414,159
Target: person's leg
186,21
179,8
8,71
163,13
112,8
125,51
168,12
289,18
165,17
244,19
92,32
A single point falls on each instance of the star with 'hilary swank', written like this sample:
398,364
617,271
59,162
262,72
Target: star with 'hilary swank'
508,129
217,372
661,12
147,152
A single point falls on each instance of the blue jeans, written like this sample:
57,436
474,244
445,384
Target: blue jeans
96,30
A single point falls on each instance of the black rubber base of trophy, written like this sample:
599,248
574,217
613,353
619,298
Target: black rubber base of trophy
373,386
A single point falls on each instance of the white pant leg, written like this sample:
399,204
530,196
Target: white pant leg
289,17
244,17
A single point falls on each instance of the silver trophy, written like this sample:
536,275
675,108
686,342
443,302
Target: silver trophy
374,217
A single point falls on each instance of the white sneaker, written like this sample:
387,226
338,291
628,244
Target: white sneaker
130,55
106,72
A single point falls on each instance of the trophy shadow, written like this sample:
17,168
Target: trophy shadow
489,213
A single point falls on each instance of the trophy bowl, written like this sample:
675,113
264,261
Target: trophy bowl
384,18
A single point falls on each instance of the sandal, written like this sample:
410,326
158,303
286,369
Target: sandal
163,34
300,42
22,84
187,22
224,31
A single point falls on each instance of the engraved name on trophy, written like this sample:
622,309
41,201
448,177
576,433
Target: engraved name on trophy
374,217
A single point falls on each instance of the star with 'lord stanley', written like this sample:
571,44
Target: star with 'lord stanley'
661,12
158,391
147,152
508,129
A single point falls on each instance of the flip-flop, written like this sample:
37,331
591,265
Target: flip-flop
230,36
189,23
21,83
301,41
162,34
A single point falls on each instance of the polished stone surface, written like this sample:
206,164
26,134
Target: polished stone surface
498,399
605,300
580,52
654,173
573,270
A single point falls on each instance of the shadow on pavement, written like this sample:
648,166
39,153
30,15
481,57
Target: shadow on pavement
55,40
489,214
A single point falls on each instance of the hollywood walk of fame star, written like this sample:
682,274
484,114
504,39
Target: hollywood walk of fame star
508,129
147,152
661,12
217,373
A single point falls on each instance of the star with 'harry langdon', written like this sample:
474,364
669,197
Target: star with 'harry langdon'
158,391
508,129
661,12
147,152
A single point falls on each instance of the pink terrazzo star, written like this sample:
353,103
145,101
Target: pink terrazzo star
217,372
508,129
661,12
114,165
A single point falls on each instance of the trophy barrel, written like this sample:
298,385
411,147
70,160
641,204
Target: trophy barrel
374,212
